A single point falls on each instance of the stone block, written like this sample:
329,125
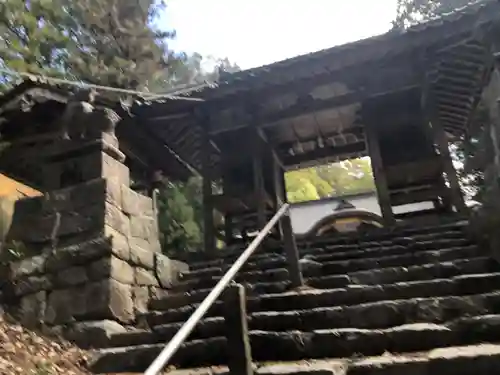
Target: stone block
79,254
98,164
142,257
119,243
141,299
31,310
154,245
145,244
93,218
110,299
27,207
111,267
115,169
71,276
72,198
93,334
40,227
27,267
110,139
90,212
168,270
64,305
144,277
143,227
95,191
31,284
116,219
136,204
157,293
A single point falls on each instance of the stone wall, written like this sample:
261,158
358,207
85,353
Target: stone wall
97,258
91,257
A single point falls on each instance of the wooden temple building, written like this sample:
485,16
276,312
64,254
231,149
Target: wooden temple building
399,98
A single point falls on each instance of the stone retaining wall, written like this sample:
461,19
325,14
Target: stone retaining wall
97,260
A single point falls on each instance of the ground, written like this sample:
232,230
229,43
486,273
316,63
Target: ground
27,353
23,352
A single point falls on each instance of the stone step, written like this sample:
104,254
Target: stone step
293,300
369,299
278,261
297,345
408,243
481,359
431,242
382,277
201,280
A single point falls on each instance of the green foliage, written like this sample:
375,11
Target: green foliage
410,12
348,177
193,69
180,212
107,42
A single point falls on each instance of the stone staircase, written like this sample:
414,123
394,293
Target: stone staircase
420,300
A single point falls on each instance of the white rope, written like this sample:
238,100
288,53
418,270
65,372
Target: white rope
144,95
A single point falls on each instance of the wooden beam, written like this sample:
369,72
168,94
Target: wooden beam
389,86
356,131
379,175
324,153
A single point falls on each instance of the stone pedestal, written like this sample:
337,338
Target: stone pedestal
97,259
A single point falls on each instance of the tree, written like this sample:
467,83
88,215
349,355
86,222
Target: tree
105,42
410,12
347,177
117,43
178,218
32,37
194,69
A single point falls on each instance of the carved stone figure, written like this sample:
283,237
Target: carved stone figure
75,119
102,120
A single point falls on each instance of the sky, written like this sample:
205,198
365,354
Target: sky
257,32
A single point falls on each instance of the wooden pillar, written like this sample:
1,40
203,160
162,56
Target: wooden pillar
493,102
379,175
259,189
228,218
208,209
292,253
239,354
279,194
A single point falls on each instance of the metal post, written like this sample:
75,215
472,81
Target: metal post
181,335
292,253
239,353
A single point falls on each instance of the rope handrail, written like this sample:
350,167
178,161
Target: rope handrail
182,334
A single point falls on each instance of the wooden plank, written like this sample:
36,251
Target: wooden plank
314,106
324,153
